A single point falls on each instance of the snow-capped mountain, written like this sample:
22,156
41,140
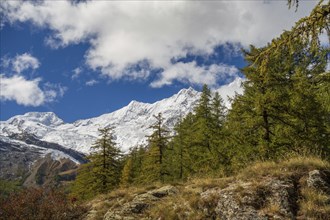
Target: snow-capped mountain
131,123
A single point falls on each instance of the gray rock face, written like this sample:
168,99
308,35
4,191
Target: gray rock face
319,180
164,191
16,160
271,197
35,162
245,201
132,210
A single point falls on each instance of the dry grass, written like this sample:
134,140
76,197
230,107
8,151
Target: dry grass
102,203
271,210
300,165
314,204
185,205
188,204
209,183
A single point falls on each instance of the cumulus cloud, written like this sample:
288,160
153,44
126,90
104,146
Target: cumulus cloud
24,62
123,33
14,86
28,92
21,62
191,73
24,92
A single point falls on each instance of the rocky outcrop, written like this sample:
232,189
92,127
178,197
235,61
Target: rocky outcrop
249,201
297,195
36,163
319,180
32,140
135,208
16,159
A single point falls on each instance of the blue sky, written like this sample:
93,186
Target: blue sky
85,59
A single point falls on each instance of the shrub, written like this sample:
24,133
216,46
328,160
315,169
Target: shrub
39,204
7,187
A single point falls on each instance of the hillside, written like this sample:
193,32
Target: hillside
297,188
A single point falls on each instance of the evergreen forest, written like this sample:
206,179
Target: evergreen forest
284,112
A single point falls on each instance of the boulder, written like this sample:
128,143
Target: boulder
135,208
246,201
164,191
319,180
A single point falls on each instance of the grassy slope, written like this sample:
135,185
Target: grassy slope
187,204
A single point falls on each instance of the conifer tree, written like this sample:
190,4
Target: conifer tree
218,111
84,186
102,173
281,109
154,165
218,116
132,169
127,175
201,151
182,147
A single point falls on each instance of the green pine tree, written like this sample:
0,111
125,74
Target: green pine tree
182,145
217,139
201,151
154,164
102,173
127,173
282,108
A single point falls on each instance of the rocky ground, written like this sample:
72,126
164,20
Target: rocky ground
295,189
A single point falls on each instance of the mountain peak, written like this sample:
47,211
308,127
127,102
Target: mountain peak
45,118
187,91
134,102
131,123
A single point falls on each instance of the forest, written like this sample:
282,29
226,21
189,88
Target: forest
284,112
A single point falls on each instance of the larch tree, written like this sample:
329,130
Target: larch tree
102,173
154,165
282,107
182,146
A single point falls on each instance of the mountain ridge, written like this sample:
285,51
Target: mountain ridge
131,123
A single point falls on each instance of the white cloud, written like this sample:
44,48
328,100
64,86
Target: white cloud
28,92
76,73
191,73
53,91
15,87
123,33
24,62
91,82
23,91
21,62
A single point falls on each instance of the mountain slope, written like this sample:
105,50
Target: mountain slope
296,188
131,123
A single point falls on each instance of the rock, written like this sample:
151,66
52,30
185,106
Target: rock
319,180
136,207
247,201
91,215
113,215
164,191
132,210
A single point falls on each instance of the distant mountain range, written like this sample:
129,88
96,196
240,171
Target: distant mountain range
33,144
131,123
